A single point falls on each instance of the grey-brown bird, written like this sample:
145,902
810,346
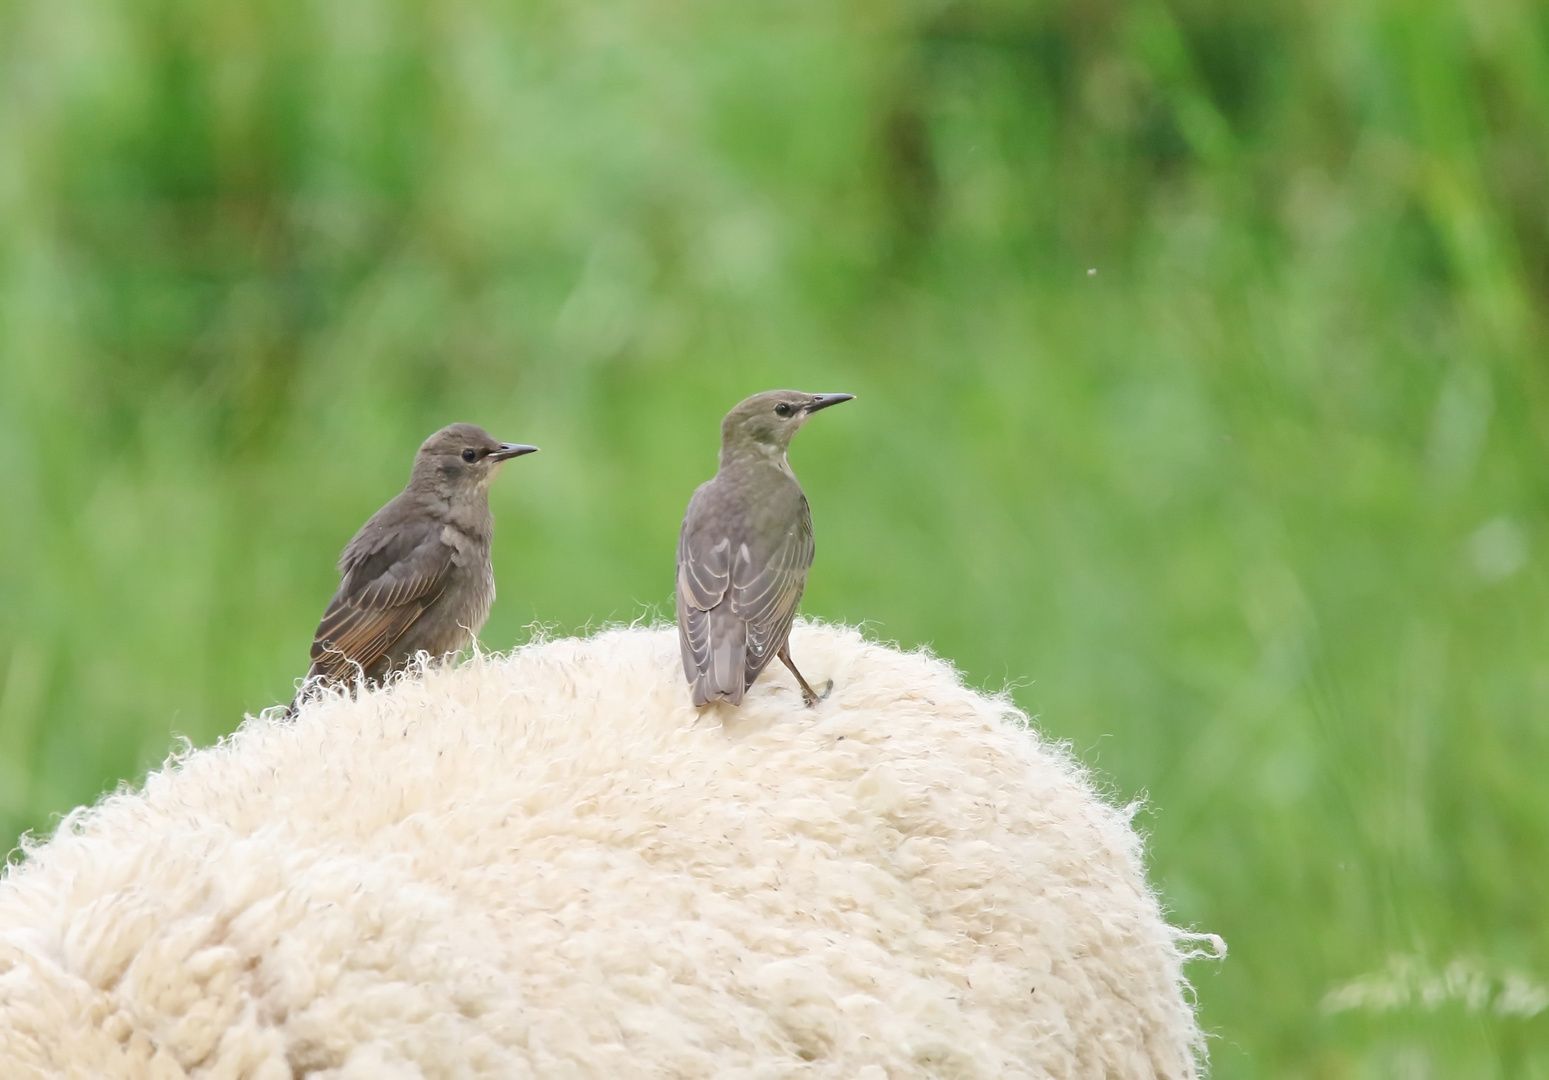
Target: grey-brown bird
745,550
417,576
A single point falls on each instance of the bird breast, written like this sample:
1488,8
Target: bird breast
472,587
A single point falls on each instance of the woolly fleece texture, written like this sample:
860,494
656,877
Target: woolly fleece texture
547,864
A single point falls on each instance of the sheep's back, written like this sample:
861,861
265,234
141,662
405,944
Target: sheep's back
549,864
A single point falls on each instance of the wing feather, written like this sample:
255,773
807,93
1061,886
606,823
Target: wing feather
765,597
704,571
385,590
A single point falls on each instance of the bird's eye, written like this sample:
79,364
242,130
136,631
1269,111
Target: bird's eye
470,455
783,409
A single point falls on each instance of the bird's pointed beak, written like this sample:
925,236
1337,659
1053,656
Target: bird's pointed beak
823,401
510,450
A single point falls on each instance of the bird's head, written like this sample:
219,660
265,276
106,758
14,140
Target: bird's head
765,422
463,457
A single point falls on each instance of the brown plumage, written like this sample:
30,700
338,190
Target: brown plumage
417,576
745,550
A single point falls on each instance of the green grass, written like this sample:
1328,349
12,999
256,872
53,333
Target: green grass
1254,516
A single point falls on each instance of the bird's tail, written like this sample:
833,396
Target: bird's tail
704,693
724,675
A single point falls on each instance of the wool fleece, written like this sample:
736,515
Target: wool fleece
549,864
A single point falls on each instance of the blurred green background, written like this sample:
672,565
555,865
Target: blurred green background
1200,349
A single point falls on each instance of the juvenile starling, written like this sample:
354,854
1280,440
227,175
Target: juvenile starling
745,550
417,576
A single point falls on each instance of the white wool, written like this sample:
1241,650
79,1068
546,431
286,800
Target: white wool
548,864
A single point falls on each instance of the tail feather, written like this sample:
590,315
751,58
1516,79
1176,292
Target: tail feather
723,678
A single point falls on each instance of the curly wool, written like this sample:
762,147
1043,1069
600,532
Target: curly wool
549,864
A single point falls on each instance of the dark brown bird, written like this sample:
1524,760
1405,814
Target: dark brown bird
417,576
745,550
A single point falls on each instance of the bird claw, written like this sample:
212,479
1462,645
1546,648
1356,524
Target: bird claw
811,699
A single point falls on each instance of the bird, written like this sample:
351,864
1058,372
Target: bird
744,551
417,576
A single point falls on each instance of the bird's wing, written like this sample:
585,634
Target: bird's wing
704,568
704,573
764,593
388,587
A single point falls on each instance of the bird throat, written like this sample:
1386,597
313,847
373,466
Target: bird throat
755,454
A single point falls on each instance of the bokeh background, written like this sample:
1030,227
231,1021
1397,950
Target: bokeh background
1203,402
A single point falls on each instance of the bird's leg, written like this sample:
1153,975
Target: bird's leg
807,695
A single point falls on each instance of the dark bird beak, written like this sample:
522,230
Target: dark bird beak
823,401
510,450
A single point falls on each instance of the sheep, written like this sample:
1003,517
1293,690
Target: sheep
549,864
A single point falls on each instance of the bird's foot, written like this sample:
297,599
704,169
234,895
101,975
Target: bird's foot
811,699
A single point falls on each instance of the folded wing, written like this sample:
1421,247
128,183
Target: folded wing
765,596
382,595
